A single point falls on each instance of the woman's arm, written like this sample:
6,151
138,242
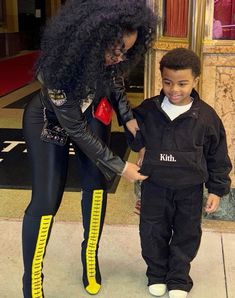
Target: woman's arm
71,118
119,100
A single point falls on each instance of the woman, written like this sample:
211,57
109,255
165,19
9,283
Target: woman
82,61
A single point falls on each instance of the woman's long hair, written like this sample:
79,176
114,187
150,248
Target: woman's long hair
74,41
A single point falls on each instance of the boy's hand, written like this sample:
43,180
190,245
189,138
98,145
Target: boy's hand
131,172
132,126
140,157
137,207
212,203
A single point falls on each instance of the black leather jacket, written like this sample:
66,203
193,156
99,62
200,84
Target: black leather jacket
68,112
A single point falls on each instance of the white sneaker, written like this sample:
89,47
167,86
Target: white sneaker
157,289
178,294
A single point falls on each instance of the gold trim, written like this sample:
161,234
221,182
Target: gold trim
198,8
173,39
149,66
197,30
159,8
159,12
170,43
209,17
219,43
216,48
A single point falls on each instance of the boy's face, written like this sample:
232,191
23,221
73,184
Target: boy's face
178,84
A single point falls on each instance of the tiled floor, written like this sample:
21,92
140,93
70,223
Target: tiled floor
123,269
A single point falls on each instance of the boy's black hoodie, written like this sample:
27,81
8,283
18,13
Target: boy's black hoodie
187,151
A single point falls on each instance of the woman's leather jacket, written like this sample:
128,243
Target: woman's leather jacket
67,110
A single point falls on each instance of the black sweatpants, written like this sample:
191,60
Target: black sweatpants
49,165
170,231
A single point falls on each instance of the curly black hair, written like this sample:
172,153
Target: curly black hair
74,41
181,58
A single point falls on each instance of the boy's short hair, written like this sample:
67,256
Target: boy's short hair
181,58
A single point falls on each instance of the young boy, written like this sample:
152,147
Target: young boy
181,145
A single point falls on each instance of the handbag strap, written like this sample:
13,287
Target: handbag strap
44,107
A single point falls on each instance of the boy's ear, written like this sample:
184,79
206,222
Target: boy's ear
196,80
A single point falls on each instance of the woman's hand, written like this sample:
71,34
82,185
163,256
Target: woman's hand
212,203
132,126
131,173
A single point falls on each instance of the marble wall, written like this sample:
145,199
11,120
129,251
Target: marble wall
218,89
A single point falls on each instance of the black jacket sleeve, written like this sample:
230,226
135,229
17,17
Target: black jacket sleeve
71,118
138,142
119,100
218,161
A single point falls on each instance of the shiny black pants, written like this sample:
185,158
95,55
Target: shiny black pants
49,165
170,231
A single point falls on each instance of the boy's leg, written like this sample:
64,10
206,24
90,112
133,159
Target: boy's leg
155,231
186,237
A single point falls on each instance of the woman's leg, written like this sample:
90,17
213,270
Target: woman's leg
49,168
93,211
94,199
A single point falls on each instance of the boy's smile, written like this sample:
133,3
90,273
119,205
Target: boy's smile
178,85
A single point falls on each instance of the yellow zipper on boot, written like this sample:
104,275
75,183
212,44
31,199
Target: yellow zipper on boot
38,256
97,200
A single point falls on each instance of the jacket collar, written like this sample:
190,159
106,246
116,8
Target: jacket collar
192,112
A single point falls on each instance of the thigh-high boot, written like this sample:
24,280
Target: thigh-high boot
93,211
35,236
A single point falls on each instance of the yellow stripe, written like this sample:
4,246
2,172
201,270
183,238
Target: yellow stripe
94,230
38,256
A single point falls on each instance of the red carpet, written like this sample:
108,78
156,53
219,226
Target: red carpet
16,72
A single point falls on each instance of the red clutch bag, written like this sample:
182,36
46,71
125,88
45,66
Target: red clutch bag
104,111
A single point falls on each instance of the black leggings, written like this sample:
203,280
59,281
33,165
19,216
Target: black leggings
49,162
